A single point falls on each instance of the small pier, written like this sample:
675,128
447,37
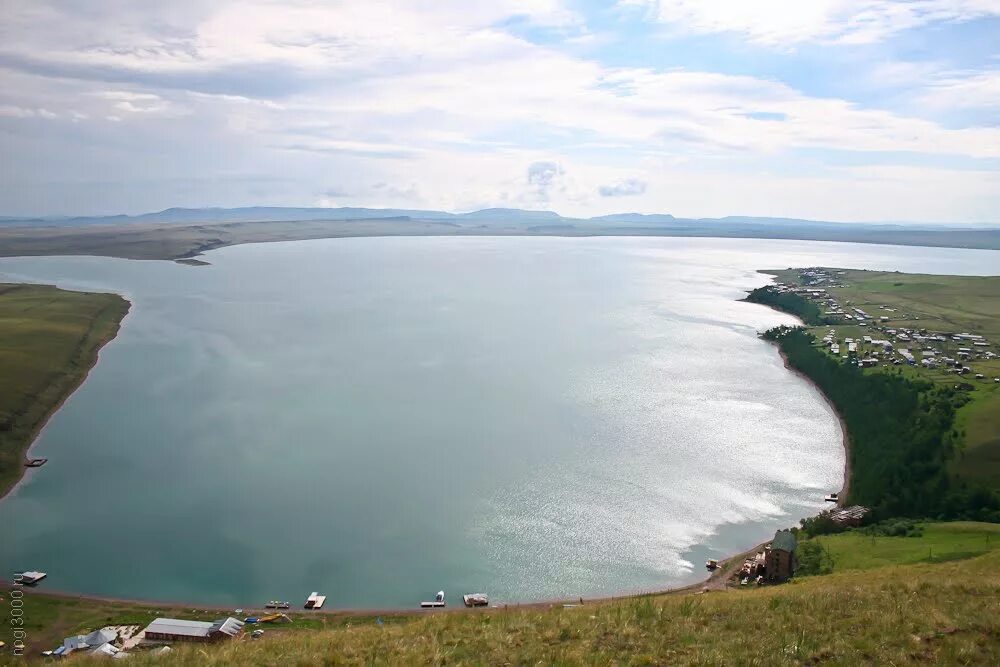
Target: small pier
31,577
315,601
436,603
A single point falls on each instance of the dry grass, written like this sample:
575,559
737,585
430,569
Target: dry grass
926,613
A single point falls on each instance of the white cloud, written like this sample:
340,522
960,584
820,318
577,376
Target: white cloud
11,111
131,102
445,108
968,90
630,187
14,111
543,178
786,22
187,36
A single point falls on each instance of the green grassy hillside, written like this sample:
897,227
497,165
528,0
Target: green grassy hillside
915,614
941,304
49,339
929,599
937,543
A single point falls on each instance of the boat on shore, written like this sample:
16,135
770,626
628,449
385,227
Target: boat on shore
31,577
476,600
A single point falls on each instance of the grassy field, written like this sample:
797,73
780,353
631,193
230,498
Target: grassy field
933,599
49,339
50,618
960,304
940,542
944,613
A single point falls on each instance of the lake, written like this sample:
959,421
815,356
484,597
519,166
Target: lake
380,418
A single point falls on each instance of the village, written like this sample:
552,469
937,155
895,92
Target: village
157,637
118,642
776,562
879,335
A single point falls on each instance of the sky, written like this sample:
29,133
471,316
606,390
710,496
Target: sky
852,110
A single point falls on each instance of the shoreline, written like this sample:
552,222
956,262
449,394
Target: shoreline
715,581
71,388
845,438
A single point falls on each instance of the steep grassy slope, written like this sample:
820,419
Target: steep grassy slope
49,339
915,614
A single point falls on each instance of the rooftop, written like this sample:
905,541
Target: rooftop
175,626
783,540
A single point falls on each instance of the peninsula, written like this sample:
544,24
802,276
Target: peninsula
912,365
183,234
49,341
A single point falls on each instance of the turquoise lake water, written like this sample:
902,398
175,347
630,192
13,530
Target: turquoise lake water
378,419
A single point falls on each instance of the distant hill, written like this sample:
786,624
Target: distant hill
640,218
507,214
183,233
247,214
487,215
796,222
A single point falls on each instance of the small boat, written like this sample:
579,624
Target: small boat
711,564
272,618
315,601
31,577
35,463
438,601
832,498
277,604
476,600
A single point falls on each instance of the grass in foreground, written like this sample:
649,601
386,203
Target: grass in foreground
924,613
50,618
49,339
884,604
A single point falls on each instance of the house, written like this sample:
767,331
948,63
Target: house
108,651
176,630
753,567
93,640
779,556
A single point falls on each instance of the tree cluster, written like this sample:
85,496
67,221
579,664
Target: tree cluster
789,302
901,434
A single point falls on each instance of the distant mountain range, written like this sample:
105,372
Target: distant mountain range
512,216
184,233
